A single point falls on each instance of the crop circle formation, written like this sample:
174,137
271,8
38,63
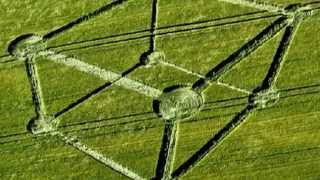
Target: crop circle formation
171,104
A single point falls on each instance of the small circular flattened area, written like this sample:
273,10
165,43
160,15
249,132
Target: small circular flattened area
179,103
38,125
152,59
263,99
26,45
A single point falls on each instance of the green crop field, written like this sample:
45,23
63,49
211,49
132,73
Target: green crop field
160,89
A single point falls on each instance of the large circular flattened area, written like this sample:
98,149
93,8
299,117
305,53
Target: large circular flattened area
179,103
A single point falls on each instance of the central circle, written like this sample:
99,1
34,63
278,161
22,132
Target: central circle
179,103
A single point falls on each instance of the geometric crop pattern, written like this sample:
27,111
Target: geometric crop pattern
173,103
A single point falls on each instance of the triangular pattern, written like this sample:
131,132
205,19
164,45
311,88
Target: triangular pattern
55,76
250,73
209,47
109,106
118,130
303,45
126,144
221,105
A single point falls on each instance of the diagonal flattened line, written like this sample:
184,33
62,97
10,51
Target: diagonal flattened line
258,5
279,57
82,99
106,75
236,57
201,76
83,18
213,142
93,93
165,63
167,151
72,141
230,86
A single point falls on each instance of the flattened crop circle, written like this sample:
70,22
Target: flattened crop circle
180,103
26,45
